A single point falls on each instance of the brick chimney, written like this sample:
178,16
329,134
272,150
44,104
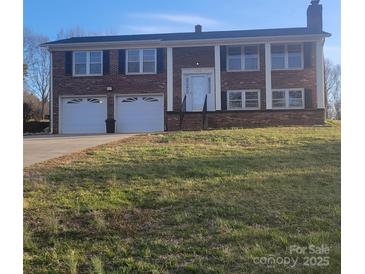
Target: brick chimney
314,17
198,28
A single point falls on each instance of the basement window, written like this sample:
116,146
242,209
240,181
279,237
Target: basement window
288,99
243,99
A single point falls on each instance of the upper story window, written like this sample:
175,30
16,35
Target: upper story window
243,99
88,63
288,98
242,58
141,61
287,56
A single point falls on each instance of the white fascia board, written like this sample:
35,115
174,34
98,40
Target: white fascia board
170,79
184,43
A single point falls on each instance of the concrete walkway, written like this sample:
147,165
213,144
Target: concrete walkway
41,148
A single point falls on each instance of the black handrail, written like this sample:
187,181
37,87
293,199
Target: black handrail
205,107
182,111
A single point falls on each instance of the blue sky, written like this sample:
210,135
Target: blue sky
146,16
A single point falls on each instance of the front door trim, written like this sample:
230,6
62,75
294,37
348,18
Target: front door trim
198,71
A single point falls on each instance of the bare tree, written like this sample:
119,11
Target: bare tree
78,31
37,60
73,32
332,83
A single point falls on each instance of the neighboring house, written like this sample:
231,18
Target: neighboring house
157,82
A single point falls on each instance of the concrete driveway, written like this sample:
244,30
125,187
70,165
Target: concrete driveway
40,148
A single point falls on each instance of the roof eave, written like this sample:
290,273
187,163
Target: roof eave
191,42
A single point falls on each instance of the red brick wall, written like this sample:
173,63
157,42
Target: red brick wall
96,85
187,58
247,79
305,78
193,121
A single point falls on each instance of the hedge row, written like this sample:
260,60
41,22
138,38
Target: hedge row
35,127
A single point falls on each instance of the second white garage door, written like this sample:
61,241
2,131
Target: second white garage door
139,113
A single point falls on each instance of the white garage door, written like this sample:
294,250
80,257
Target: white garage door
139,113
83,115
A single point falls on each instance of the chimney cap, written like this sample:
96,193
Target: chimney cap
198,28
315,2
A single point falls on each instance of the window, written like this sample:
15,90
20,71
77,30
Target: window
243,99
141,61
288,98
242,58
88,63
287,56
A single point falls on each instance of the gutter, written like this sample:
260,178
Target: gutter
183,43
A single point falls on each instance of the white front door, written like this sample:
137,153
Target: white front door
197,86
139,113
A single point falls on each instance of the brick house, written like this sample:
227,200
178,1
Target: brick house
156,82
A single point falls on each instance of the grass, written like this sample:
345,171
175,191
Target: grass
187,202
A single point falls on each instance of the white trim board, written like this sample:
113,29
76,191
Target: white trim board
185,43
170,80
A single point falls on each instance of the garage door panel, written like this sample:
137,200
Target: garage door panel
83,115
139,114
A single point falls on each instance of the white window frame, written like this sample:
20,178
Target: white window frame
87,63
286,90
286,56
243,99
140,62
243,61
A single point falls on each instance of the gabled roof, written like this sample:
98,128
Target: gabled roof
191,36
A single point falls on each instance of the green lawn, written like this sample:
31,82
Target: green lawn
187,202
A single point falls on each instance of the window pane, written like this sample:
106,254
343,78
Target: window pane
251,63
251,50
294,60
278,61
278,56
234,63
234,51
278,99
252,95
277,49
133,55
95,68
133,67
148,66
252,104
235,95
294,48
235,104
80,69
295,98
149,55
95,57
80,57
278,94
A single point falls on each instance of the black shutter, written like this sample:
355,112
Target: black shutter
121,62
68,62
105,62
160,60
308,55
224,100
223,50
308,98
